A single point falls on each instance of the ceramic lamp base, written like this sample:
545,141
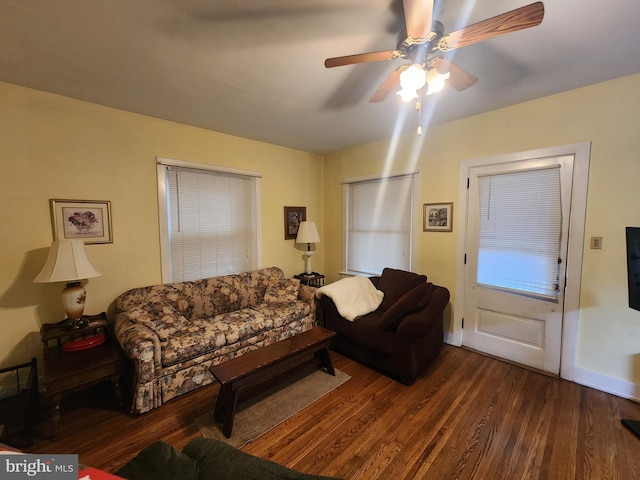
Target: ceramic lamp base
73,299
307,262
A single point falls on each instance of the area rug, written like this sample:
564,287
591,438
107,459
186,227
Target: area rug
260,414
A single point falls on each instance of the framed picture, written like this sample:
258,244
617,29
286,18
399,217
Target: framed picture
89,220
292,218
438,217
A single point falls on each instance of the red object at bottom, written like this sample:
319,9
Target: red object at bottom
84,343
90,473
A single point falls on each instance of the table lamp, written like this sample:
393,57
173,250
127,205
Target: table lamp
68,262
308,233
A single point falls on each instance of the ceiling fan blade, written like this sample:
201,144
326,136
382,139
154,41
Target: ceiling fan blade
512,21
361,58
418,15
391,83
459,78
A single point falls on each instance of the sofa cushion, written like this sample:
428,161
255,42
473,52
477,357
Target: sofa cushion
364,330
241,324
178,295
395,283
281,290
160,461
249,322
260,279
202,336
283,313
195,339
220,461
412,301
159,317
219,295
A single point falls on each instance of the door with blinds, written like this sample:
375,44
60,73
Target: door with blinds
518,224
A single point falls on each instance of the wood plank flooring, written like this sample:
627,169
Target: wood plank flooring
467,417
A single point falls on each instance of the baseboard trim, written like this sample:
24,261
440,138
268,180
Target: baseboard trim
604,383
450,339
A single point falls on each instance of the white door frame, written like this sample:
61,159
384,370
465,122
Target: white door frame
581,153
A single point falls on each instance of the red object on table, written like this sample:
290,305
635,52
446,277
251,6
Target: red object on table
84,343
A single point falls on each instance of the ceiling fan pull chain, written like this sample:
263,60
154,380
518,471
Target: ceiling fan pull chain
419,109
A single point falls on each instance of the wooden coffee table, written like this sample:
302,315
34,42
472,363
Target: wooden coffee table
253,369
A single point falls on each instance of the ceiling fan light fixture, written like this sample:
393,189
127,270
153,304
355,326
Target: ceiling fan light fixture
411,80
406,94
423,35
436,81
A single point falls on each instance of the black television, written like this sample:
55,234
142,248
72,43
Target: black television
633,274
633,266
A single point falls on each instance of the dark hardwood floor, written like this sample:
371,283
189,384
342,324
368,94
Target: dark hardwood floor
467,417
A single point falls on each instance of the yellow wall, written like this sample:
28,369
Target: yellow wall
606,115
56,147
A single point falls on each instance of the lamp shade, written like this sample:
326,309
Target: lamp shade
67,262
307,233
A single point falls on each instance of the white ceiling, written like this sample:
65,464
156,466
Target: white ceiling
255,68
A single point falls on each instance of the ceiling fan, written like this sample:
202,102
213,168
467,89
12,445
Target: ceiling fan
424,37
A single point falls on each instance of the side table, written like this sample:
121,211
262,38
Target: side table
312,279
65,371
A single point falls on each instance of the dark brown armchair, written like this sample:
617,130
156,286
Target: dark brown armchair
403,335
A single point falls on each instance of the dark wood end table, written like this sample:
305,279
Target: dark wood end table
65,371
312,279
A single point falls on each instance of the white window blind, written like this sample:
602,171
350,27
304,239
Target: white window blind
520,231
210,223
379,219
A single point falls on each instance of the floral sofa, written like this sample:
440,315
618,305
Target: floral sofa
173,333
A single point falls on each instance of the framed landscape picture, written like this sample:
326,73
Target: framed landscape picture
292,218
89,220
438,217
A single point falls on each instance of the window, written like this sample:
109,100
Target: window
209,220
379,224
520,231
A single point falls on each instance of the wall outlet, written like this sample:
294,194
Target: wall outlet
596,243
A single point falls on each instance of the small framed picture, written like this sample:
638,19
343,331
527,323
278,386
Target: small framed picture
292,218
438,217
89,220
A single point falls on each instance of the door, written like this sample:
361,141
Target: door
517,232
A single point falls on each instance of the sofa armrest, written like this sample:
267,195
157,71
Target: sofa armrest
140,344
329,313
307,294
419,324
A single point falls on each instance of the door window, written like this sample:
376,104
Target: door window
520,231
